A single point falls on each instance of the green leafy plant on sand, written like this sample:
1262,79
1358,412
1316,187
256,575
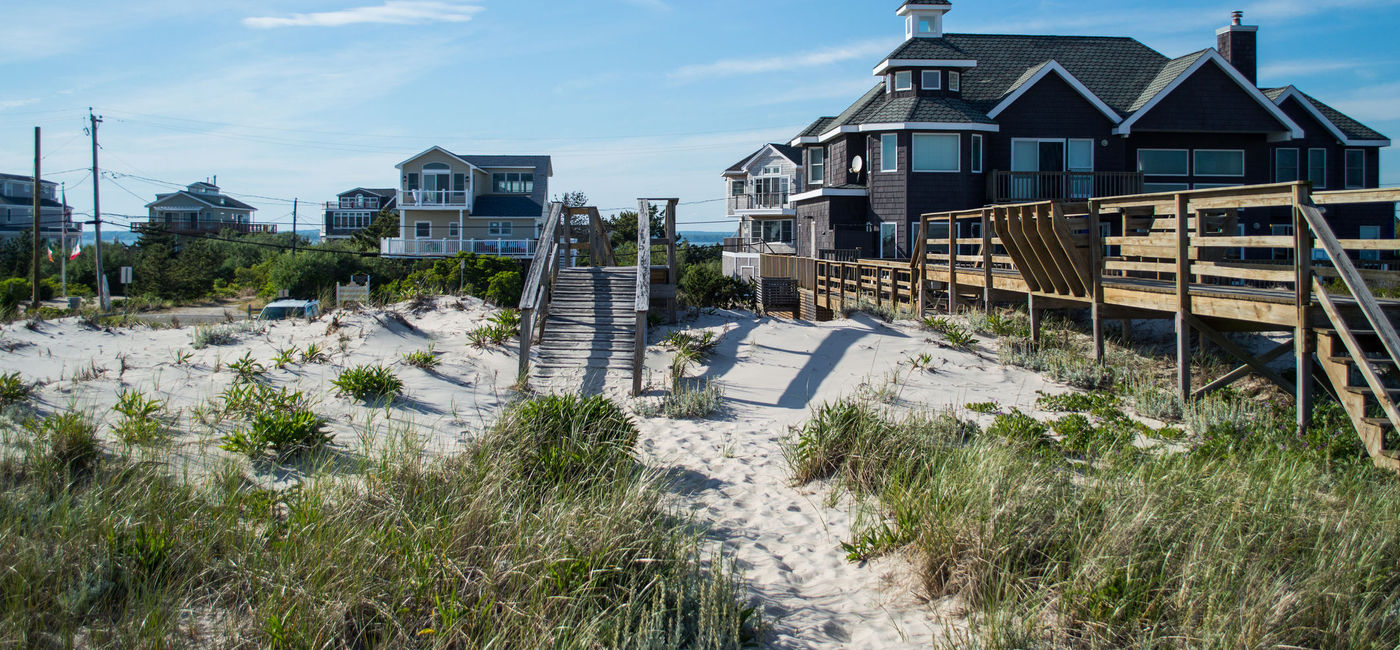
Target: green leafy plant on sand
67,440
283,432
369,384
247,369
13,389
139,422
425,359
314,354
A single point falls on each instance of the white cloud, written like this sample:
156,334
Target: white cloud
392,12
737,67
7,104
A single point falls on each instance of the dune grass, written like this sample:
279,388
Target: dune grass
544,533
1263,542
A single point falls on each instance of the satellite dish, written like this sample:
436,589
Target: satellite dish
857,164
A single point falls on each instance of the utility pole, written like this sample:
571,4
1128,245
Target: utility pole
294,227
63,222
104,301
34,279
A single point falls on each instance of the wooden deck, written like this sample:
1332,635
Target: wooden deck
1178,257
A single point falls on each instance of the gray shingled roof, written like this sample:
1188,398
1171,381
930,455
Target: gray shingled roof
214,200
791,153
1165,77
921,109
536,162
1351,128
927,2
506,206
928,48
822,125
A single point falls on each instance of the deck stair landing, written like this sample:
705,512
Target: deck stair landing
589,336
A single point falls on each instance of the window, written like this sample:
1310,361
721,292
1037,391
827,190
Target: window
1370,232
1282,230
1163,162
776,231
976,154
1218,162
1355,169
925,25
513,183
500,228
954,81
736,188
1317,168
435,180
1081,155
889,240
933,80
904,80
1285,165
816,165
454,230
935,152
1153,188
423,229
412,181
889,152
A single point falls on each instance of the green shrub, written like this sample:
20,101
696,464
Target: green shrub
488,335
507,319
369,384
13,389
248,399
703,285
686,401
281,431
568,441
1019,428
69,439
505,288
247,369
985,408
139,422
425,359
314,354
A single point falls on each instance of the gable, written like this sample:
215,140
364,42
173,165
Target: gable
1049,86
1300,114
180,200
1208,100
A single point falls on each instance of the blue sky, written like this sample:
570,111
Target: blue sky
632,97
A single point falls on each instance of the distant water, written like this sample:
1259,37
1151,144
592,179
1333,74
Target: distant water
127,237
704,238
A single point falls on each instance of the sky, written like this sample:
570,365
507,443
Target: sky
303,99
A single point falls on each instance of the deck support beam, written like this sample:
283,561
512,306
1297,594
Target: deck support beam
952,265
1183,299
1033,307
1304,338
1096,282
1258,366
1245,370
987,261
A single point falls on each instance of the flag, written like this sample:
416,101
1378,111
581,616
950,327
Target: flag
77,248
49,247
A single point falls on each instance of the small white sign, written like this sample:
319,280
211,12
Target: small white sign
126,275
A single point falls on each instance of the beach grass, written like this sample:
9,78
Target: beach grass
1066,534
544,532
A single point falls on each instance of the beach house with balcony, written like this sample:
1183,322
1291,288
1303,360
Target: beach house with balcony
201,209
483,204
17,209
959,121
354,210
758,192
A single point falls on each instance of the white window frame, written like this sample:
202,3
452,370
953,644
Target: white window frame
1346,169
454,230
1158,188
893,227
1092,155
957,154
1138,160
816,171
937,77
978,152
416,229
889,141
1195,166
1297,164
908,76
1320,184
954,81
500,229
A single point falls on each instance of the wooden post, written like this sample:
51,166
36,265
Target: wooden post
1303,335
921,265
1035,318
38,227
987,261
672,262
952,265
527,324
1096,280
1183,300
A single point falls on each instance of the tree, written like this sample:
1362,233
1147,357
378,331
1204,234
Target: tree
385,225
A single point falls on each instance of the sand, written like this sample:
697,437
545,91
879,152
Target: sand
728,471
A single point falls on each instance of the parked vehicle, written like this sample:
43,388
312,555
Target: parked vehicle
286,309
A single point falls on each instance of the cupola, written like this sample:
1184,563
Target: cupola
924,18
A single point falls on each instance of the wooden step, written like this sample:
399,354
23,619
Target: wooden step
1373,360
1377,422
1366,390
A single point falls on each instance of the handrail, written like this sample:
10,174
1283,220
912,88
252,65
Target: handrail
1354,282
600,232
534,301
643,302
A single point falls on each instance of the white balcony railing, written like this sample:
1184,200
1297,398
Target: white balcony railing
759,201
434,199
397,247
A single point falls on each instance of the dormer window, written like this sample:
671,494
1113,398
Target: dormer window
925,25
904,80
955,81
933,80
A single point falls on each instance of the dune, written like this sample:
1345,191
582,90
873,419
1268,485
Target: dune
728,471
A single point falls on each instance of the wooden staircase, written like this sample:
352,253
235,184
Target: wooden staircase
590,335
1364,377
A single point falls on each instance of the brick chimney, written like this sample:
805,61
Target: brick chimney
1238,43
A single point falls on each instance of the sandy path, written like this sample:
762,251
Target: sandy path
731,473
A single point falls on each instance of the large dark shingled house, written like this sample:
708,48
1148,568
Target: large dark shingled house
959,121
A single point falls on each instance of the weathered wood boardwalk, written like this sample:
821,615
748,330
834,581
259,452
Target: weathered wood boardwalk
1178,257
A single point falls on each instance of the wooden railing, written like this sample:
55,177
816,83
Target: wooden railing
643,303
852,285
534,301
1011,187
